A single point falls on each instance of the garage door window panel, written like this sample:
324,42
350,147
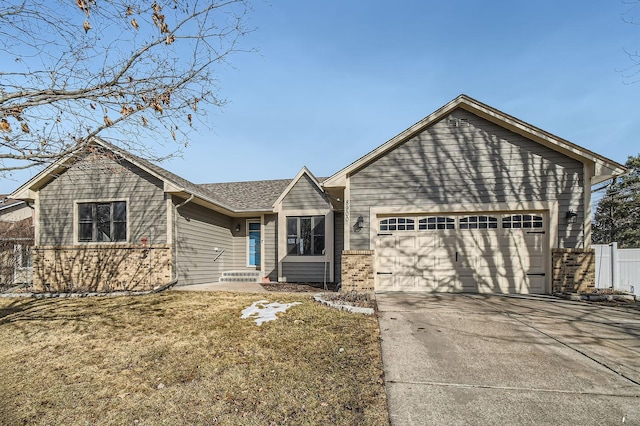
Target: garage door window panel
478,222
436,222
397,224
522,221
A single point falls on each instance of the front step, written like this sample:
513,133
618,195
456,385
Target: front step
241,277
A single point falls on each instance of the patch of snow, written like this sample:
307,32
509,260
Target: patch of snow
343,306
263,311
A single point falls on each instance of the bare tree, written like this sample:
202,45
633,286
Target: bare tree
630,16
137,71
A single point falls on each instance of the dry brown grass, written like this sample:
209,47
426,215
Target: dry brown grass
187,358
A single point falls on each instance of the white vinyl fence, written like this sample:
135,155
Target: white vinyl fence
617,268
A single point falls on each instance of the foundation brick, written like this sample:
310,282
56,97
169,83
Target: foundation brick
101,268
574,270
357,271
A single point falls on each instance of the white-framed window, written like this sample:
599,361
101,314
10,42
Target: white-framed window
478,222
522,221
436,222
305,235
102,221
397,224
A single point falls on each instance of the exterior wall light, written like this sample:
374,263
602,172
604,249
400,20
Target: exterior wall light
238,227
359,222
571,216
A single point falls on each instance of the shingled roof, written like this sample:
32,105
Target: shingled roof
232,196
251,195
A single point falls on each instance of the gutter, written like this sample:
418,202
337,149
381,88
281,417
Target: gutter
613,180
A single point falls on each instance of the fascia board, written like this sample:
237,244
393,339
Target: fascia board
491,114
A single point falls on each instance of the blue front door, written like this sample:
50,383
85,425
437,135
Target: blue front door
254,244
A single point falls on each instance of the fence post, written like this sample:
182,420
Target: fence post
614,264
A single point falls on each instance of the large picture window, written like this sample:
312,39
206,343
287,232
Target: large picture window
102,222
305,235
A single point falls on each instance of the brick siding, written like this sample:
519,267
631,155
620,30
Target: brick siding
107,268
357,271
573,270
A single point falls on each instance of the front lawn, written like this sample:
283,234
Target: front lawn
187,358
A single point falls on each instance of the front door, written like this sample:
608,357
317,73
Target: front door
254,243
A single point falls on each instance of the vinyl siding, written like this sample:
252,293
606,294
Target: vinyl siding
338,239
199,232
270,236
239,260
304,195
475,163
99,180
304,272
239,252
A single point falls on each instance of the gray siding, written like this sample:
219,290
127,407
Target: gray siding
98,180
239,253
475,163
304,195
199,232
239,259
338,232
303,272
270,236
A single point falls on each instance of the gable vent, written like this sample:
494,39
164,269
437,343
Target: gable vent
458,122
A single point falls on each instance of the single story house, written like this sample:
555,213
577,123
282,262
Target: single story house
469,199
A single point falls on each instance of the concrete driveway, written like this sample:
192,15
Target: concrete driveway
485,360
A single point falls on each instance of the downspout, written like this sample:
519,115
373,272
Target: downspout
174,281
185,202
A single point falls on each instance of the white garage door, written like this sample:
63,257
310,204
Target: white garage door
479,253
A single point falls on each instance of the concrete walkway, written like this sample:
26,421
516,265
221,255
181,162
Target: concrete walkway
486,360
239,287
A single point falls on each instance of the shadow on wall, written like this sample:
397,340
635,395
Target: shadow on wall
142,262
102,269
465,160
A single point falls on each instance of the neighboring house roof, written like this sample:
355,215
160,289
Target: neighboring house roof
604,168
252,195
14,231
6,202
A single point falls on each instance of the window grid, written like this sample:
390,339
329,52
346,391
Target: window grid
436,222
397,224
478,222
430,223
522,221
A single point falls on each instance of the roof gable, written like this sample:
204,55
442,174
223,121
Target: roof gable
604,168
303,172
172,183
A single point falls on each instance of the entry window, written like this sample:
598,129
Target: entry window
102,222
436,222
397,224
253,252
478,222
305,235
522,221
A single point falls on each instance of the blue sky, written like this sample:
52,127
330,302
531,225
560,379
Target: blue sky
334,79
